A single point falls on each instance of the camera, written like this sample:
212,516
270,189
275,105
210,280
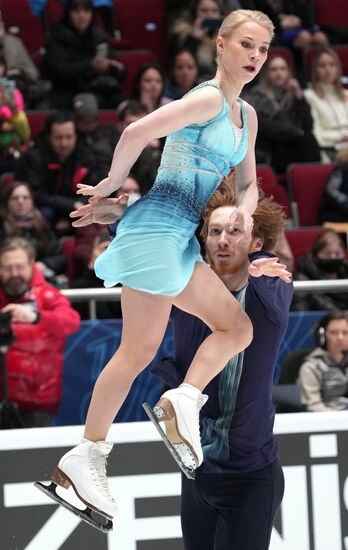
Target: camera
6,333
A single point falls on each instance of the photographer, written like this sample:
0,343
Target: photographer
197,32
41,319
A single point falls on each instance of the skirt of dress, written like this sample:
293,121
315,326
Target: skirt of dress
155,250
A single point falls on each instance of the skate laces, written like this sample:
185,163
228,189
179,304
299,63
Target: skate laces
98,463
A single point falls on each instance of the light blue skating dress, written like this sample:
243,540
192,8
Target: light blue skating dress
155,248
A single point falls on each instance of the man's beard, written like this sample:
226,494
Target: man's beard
225,269
14,288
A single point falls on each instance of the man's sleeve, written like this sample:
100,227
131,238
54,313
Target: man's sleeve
272,293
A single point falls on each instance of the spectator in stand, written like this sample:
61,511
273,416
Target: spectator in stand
99,137
41,319
145,168
326,261
334,201
14,124
323,377
105,9
329,103
54,167
285,121
21,68
78,58
148,87
183,75
20,218
197,31
88,279
295,23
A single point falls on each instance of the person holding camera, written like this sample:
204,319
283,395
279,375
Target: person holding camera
41,319
323,377
197,32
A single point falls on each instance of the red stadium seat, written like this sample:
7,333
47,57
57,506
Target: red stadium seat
301,240
37,121
20,21
143,24
269,184
342,52
334,12
133,60
54,11
306,183
68,246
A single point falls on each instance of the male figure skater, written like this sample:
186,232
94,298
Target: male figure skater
238,489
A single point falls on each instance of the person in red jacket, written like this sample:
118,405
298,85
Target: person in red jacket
41,319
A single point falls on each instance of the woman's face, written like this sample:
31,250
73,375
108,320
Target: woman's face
327,69
242,54
336,336
20,203
81,19
208,9
151,83
185,70
333,250
277,72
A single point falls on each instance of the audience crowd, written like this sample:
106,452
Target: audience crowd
78,85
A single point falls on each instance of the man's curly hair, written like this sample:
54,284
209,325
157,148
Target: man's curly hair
269,217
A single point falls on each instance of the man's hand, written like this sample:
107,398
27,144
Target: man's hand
271,268
99,210
20,313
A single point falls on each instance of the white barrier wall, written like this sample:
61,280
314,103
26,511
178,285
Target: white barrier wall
144,479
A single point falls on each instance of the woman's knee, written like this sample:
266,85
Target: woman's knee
138,356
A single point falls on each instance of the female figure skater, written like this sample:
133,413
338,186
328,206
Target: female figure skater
155,255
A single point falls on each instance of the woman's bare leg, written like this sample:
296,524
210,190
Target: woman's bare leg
207,297
145,318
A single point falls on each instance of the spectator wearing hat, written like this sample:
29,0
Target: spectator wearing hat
97,136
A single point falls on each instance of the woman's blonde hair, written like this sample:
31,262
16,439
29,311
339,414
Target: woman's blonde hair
238,17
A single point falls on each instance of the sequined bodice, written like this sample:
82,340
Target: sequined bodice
196,158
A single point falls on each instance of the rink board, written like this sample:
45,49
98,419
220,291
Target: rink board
314,515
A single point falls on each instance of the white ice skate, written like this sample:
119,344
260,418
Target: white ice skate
176,418
84,468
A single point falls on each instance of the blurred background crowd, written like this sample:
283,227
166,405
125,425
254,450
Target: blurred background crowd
75,73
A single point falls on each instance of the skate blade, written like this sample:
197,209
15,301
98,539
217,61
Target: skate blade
85,515
189,473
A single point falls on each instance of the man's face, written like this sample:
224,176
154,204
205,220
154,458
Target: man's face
227,250
63,139
16,271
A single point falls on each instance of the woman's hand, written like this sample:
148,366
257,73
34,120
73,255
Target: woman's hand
242,221
269,267
103,189
100,210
